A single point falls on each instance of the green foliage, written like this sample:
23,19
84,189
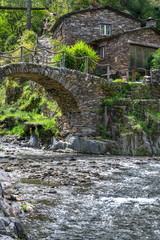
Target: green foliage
102,131
78,4
14,23
118,80
156,58
112,3
10,43
117,89
11,23
82,4
142,9
37,23
79,49
110,102
2,95
28,40
59,8
31,102
28,37
56,44
149,63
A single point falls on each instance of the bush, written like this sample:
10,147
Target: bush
79,49
28,40
156,58
10,43
149,63
28,37
78,4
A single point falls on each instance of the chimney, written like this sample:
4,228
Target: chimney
150,22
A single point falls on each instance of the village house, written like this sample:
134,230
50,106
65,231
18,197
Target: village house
119,38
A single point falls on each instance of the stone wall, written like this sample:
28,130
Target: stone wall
117,49
132,124
78,95
85,25
156,76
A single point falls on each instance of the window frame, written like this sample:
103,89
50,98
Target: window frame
141,55
102,52
105,26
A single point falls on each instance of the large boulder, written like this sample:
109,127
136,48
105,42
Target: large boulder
10,226
85,145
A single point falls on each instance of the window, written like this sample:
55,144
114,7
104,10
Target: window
105,29
102,52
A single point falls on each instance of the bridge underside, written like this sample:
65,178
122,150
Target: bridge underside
78,95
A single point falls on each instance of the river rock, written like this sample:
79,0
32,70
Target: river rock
6,237
10,226
33,142
85,145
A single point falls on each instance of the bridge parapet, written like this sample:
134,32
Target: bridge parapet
40,56
79,95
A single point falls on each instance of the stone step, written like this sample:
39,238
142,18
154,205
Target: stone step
44,42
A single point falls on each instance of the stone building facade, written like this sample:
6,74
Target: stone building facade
118,37
93,23
130,49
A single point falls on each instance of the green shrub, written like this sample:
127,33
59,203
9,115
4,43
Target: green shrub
118,80
156,58
10,43
28,37
78,4
102,131
79,49
56,44
28,41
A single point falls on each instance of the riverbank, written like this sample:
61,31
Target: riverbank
10,210
75,196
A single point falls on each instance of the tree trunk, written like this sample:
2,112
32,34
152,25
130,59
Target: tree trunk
29,15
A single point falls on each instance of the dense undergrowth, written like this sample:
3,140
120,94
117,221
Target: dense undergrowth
133,107
25,102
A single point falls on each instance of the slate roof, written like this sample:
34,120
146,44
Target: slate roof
110,38
60,19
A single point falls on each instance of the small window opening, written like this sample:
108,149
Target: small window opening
102,52
105,30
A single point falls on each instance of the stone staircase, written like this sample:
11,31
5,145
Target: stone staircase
44,42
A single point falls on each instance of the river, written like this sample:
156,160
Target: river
71,196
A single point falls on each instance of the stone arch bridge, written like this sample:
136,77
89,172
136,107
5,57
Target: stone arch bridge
79,95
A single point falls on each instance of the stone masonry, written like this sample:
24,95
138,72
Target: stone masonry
78,95
117,48
85,24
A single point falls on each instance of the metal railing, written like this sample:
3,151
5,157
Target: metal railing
32,57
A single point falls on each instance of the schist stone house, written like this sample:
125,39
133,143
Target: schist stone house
118,37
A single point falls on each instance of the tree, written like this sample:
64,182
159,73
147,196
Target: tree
29,15
11,23
112,3
140,8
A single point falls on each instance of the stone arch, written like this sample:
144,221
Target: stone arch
78,95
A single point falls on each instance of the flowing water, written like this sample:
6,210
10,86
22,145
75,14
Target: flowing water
78,197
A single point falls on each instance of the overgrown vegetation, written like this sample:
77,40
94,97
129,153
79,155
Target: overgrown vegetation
13,23
30,106
28,40
79,49
132,108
